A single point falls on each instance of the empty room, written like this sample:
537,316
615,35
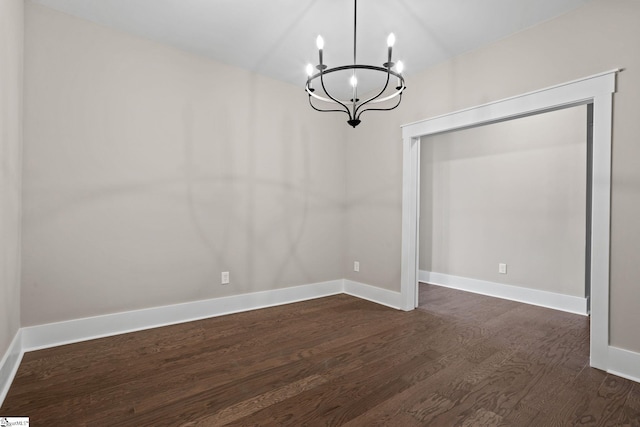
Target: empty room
305,212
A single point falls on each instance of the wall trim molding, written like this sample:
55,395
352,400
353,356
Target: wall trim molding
9,364
371,293
597,92
537,297
48,335
84,329
624,363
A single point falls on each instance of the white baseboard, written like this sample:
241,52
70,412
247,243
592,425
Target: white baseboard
621,362
624,363
378,295
547,299
60,333
9,365
71,331
38,337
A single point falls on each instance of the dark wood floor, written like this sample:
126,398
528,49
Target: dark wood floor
461,359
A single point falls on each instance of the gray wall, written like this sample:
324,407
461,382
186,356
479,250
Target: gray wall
148,171
139,175
512,192
598,37
11,54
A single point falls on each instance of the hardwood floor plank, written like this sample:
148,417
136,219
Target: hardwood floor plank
352,392
631,412
360,350
482,417
572,399
422,400
265,400
608,405
461,359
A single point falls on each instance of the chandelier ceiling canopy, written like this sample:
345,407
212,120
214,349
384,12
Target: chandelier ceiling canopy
387,97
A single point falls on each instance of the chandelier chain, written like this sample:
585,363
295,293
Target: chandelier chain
355,25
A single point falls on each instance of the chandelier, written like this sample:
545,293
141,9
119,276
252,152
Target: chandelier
384,99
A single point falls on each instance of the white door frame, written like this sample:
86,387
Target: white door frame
596,90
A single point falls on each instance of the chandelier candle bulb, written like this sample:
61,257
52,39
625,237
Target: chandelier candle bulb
320,45
390,42
399,69
309,74
354,84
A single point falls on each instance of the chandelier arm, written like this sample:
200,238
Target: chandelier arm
362,104
356,66
381,109
334,99
327,111
323,99
387,98
352,67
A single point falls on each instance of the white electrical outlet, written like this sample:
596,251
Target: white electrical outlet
224,278
502,268
356,266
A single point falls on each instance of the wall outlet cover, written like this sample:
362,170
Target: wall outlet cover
502,268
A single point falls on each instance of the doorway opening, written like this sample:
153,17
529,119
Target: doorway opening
595,91
504,209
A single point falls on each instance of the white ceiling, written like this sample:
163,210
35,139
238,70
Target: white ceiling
277,37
